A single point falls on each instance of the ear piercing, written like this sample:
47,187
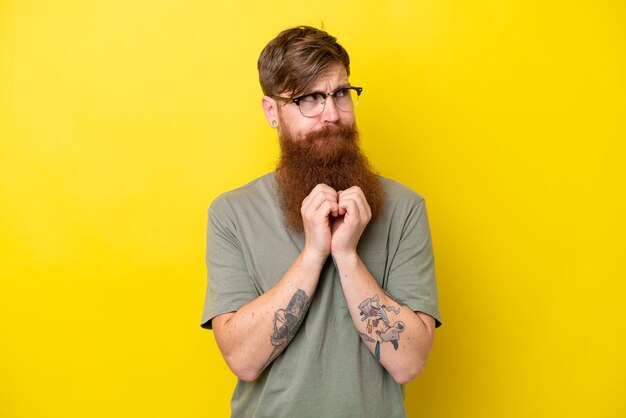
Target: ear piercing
274,123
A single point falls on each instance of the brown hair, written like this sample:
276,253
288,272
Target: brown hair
293,60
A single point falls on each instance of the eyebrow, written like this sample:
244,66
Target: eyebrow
341,86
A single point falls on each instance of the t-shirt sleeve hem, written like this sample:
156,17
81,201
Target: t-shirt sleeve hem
428,310
207,317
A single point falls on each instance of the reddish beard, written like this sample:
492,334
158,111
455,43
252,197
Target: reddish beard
331,156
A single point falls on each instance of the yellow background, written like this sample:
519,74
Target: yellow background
120,121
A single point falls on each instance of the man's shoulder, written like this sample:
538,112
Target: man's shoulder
254,191
261,184
396,192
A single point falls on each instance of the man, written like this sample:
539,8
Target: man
321,290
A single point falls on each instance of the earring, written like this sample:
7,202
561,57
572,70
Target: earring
274,123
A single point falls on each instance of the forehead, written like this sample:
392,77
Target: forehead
334,77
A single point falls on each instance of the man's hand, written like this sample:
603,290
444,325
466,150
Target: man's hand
317,208
354,214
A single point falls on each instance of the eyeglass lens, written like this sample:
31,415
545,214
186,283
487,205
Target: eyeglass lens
313,104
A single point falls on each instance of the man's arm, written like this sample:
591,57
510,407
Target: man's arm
399,338
251,338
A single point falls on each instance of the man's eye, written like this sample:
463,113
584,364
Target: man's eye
342,92
312,98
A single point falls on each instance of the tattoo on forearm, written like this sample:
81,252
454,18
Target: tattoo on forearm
287,322
366,337
378,324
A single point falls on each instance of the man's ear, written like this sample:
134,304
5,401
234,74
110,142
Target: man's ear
270,108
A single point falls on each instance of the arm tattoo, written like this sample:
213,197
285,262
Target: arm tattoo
366,337
287,322
378,324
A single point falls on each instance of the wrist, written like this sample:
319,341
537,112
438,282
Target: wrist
312,257
346,259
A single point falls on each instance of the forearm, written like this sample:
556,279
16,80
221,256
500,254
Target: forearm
399,338
253,336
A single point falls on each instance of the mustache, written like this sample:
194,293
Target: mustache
328,132
330,145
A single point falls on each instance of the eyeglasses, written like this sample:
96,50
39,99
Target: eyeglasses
313,104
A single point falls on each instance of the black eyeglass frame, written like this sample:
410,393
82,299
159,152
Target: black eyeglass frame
296,100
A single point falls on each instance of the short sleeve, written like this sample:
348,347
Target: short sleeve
412,272
228,282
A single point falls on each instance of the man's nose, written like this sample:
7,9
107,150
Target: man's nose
330,113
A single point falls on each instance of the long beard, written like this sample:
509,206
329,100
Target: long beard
331,156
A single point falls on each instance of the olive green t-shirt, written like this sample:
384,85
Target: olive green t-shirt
325,371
